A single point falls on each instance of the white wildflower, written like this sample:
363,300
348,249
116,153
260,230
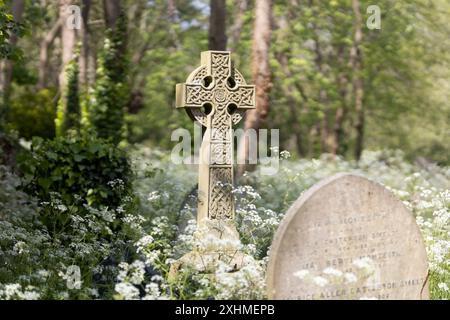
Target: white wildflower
350,277
443,286
332,272
285,154
127,291
365,264
153,196
320,281
144,242
20,247
301,274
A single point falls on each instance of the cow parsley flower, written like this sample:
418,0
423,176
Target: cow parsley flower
20,247
365,264
127,291
320,281
153,196
350,277
285,154
144,242
443,286
332,272
301,274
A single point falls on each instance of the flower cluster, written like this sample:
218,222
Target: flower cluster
346,283
129,252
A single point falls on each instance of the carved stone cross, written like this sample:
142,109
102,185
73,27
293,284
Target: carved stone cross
216,95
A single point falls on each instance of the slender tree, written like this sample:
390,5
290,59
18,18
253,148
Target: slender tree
337,146
68,40
85,43
68,113
112,10
44,48
358,90
261,76
236,28
17,9
217,38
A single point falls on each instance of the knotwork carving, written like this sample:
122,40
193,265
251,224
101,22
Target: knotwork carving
221,201
220,67
222,87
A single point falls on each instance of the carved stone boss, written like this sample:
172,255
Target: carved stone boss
217,96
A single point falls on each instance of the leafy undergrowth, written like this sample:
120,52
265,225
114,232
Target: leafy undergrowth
135,264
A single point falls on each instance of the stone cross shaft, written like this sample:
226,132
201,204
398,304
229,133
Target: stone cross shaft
216,95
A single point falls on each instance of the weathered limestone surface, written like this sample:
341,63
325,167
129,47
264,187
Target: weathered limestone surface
335,224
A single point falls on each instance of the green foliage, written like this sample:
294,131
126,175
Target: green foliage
175,51
68,113
24,76
405,71
33,113
80,209
260,206
311,61
8,27
9,145
77,172
106,110
36,260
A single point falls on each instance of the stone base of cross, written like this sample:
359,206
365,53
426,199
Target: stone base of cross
216,96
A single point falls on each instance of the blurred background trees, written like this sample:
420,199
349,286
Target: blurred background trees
332,84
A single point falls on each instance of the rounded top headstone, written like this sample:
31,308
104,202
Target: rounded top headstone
348,238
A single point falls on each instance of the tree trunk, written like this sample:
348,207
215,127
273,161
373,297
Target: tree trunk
112,10
45,45
358,89
68,40
173,21
324,126
17,9
342,110
85,47
288,91
172,11
324,133
238,24
260,74
217,38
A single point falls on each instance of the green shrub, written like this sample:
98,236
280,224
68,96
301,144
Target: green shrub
106,108
35,261
68,174
33,113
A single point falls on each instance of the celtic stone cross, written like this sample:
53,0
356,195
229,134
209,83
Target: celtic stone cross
216,95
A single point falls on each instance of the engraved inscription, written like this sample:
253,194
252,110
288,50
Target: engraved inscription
349,239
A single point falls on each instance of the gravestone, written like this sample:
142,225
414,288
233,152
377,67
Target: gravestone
216,96
348,238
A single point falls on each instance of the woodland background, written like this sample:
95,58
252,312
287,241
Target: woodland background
331,84
91,206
